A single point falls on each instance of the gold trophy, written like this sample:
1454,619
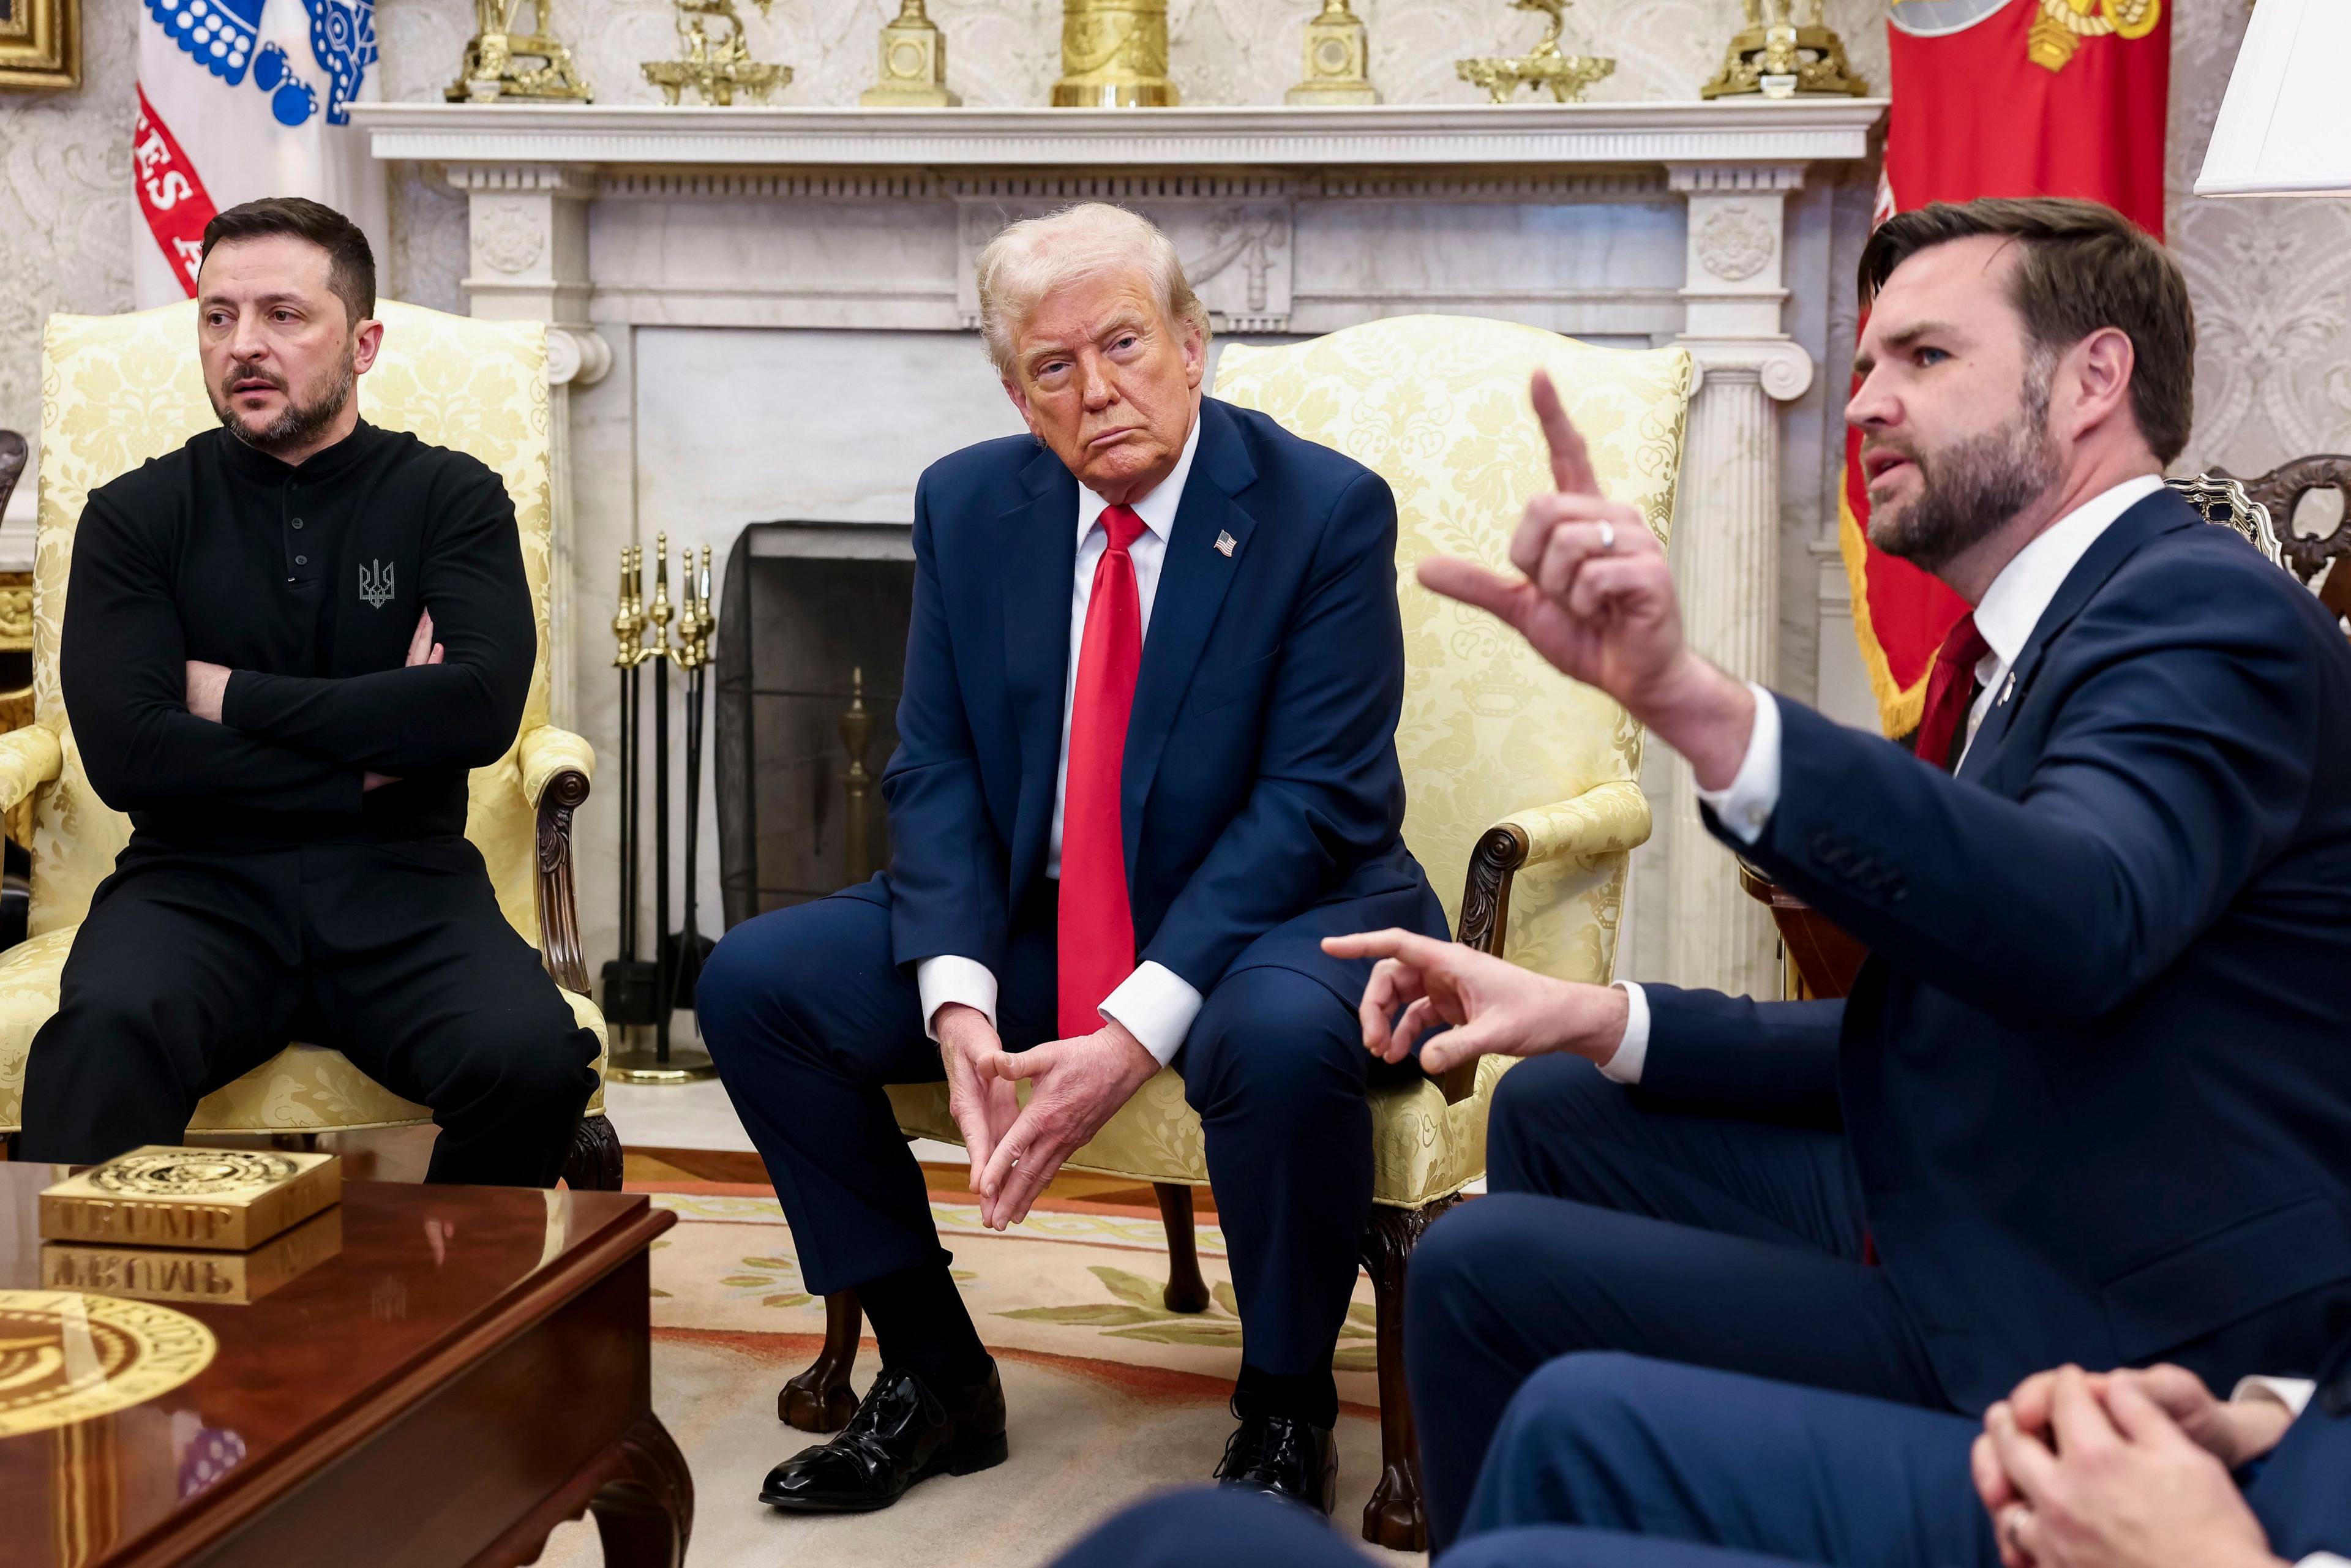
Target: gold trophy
1776,57
1338,59
717,62
914,64
1115,56
1547,66
494,66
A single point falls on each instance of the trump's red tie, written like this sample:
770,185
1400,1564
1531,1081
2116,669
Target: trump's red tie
1097,928
1951,693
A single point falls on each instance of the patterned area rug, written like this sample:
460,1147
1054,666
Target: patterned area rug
1112,1395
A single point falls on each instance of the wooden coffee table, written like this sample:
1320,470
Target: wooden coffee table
470,1370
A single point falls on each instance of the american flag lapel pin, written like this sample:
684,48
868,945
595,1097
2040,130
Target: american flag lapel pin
1225,545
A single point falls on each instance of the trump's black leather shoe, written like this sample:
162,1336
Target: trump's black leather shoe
1284,1457
901,1432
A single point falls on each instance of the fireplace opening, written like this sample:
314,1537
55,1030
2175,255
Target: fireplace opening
807,708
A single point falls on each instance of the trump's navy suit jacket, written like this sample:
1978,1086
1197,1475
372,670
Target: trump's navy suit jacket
1260,794
2096,1073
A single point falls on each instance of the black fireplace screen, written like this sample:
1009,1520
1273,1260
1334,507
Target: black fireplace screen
813,626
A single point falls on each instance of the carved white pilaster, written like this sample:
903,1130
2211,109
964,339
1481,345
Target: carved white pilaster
527,224
1727,536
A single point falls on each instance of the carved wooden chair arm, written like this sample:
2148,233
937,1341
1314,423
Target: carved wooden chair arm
556,764
1607,819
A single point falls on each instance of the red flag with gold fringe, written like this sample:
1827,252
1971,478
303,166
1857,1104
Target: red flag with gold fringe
1998,97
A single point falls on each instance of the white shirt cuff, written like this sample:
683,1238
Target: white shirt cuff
948,978
1753,793
2322,1560
2294,1393
1633,1051
1157,1006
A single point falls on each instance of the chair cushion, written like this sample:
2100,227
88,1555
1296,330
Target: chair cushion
1423,1149
304,1088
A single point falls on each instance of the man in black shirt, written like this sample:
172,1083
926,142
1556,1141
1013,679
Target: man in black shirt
285,646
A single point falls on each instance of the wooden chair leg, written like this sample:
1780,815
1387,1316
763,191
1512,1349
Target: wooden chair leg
594,1163
1395,1518
820,1399
1186,1292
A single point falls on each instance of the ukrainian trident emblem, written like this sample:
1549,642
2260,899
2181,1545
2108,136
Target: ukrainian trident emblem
375,585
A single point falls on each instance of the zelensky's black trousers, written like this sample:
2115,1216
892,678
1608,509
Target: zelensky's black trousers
196,966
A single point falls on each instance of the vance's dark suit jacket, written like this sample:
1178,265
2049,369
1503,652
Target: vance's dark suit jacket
1260,782
2096,1073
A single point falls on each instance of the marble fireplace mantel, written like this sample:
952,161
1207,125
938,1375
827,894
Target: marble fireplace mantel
1621,223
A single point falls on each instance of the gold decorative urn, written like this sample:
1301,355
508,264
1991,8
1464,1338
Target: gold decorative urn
1115,56
914,64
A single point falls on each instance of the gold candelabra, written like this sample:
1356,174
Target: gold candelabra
717,62
1546,66
1776,55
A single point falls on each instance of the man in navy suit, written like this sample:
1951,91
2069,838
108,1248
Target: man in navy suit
2090,1099
1147,761
1605,1461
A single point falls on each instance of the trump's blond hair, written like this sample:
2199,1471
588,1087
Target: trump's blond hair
1035,256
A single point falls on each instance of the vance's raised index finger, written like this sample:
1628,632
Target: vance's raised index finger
1570,464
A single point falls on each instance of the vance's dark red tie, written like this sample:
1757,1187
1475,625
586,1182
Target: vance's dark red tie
1951,693
1097,928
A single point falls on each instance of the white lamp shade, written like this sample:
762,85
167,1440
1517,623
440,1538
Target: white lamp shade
2283,129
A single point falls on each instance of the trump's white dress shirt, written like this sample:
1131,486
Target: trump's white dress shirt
2011,609
1156,1006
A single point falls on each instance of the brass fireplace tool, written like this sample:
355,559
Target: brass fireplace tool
646,991
1546,66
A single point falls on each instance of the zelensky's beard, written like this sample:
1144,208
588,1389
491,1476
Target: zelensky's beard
301,423
1971,489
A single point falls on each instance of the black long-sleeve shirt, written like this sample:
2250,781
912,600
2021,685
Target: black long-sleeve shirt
308,582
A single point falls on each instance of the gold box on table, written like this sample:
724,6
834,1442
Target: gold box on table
174,1274
206,1200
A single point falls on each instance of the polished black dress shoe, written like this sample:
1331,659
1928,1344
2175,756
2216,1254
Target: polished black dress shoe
1284,1457
901,1432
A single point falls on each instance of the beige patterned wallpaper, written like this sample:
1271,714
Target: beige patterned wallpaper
2272,279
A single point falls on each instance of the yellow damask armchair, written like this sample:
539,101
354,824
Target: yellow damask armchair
1521,784
118,389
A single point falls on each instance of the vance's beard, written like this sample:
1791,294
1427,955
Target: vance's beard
1970,490
301,422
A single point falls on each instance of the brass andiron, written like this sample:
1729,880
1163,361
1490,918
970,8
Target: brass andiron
1338,59
1115,56
645,991
717,62
495,65
914,64
856,734
1778,58
1566,75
